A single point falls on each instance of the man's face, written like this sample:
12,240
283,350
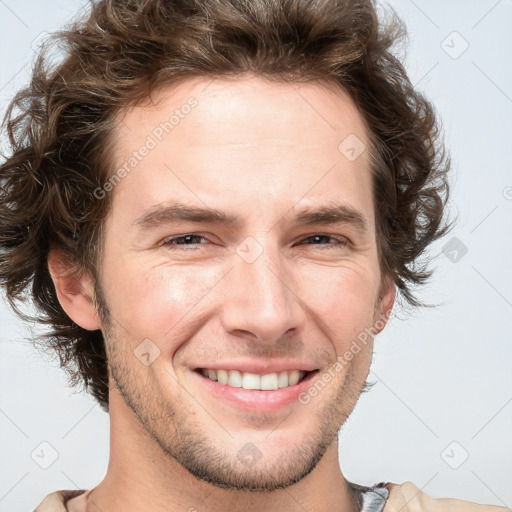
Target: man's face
265,295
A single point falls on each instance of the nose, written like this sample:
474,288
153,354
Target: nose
261,302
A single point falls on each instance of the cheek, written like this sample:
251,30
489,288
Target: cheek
343,300
155,301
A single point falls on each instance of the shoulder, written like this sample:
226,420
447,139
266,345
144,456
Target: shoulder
407,497
56,501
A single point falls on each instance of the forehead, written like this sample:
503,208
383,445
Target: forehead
249,105
244,140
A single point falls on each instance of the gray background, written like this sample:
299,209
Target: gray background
440,414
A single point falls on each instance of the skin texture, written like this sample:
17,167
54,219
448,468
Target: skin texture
260,150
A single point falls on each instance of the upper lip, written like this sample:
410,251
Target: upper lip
252,366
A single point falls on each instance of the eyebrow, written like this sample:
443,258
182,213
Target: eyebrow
177,211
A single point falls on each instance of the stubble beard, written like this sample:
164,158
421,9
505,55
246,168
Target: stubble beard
169,424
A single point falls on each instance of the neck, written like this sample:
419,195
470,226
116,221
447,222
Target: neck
141,477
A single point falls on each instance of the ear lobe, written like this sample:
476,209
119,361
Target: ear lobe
385,305
75,291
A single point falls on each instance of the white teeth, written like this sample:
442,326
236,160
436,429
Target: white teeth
235,378
222,376
247,380
251,381
294,377
269,381
282,380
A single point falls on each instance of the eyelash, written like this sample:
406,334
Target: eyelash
170,242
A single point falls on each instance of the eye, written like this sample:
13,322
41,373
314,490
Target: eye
338,240
184,241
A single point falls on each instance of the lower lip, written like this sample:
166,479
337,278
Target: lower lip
255,399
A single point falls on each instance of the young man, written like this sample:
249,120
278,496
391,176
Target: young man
214,204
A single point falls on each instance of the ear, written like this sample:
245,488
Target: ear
75,291
384,305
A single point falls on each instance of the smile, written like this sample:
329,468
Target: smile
247,380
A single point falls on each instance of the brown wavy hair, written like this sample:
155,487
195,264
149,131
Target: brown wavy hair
120,51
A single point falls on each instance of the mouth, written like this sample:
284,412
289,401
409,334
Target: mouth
255,392
248,380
